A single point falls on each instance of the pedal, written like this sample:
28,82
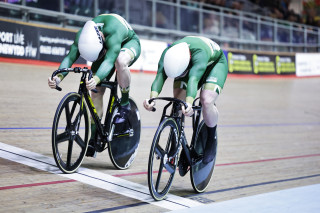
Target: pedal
91,152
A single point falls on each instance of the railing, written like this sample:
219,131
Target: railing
169,20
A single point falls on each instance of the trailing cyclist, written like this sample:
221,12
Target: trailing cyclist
111,44
194,62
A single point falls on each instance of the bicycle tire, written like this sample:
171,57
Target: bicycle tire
160,171
70,133
123,149
201,173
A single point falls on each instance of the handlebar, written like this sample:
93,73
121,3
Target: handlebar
178,101
75,70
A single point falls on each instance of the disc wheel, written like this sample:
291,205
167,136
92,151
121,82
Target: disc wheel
124,146
161,169
70,132
201,173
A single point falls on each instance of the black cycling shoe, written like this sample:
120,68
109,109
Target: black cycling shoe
122,114
210,151
91,151
183,164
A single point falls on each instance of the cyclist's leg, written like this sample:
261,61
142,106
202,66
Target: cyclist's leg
97,100
179,88
129,53
208,96
179,91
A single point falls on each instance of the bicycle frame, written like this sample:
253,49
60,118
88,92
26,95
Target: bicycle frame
180,119
84,93
113,100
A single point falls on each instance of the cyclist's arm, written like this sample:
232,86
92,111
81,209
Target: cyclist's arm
113,44
72,56
67,62
199,65
161,77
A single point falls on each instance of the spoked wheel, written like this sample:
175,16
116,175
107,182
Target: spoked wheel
70,132
201,173
124,145
161,168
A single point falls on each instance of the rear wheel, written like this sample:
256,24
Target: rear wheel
201,173
123,147
161,168
70,132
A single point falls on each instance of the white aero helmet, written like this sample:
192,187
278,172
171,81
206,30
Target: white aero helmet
90,43
176,60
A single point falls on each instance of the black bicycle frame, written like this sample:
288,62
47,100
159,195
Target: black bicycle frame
84,93
113,100
180,121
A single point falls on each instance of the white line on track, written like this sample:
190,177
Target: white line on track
303,199
94,178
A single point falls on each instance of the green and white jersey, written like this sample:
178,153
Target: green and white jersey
205,53
117,33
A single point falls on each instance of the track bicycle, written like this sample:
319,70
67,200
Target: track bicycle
71,125
163,157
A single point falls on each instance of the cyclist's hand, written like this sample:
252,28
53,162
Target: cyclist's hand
148,106
53,82
91,84
189,111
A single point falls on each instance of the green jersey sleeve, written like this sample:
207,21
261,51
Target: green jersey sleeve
71,57
161,76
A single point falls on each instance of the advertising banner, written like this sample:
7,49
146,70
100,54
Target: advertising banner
285,64
150,55
240,63
34,42
308,64
250,63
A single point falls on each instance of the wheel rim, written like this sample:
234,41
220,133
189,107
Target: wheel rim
161,170
70,134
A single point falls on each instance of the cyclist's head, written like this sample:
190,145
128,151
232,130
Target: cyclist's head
91,42
176,60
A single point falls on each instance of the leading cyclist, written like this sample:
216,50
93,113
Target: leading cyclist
110,43
194,62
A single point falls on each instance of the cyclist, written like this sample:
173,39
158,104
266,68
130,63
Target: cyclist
194,62
111,44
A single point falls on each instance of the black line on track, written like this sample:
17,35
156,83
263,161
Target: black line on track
92,177
187,196
119,207
254,185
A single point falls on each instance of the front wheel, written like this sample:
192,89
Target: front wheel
123,147
70,132
161,167
201,173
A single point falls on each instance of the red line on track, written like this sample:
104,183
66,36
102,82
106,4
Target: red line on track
144,173
36,184
266,160
235,163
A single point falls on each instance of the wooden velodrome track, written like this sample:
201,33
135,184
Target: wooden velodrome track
269,140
